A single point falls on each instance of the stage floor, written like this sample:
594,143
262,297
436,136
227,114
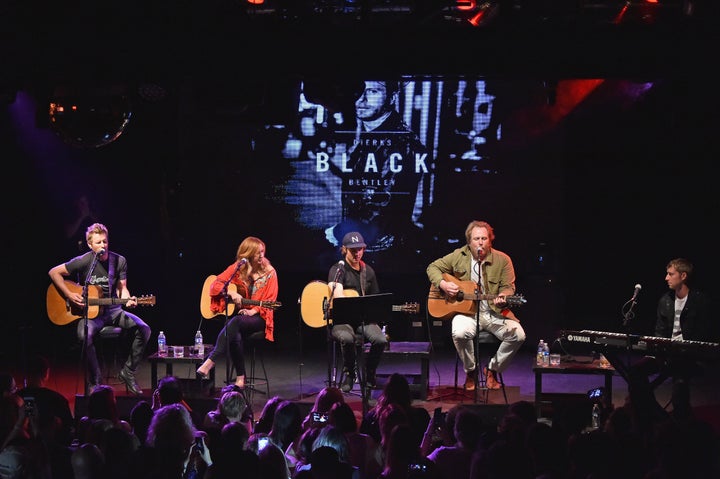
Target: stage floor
299,377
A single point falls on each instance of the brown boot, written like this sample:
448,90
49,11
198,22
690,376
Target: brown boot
470,381
492,382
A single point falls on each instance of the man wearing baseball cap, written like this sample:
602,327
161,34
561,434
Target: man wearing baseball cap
351,276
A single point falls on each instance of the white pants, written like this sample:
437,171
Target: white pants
510,332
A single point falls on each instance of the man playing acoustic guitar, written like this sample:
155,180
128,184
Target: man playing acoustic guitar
493,271
353,273
110,275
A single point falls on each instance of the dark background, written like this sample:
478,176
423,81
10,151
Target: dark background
603,192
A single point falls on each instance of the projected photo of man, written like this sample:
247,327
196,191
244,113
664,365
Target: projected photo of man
383,170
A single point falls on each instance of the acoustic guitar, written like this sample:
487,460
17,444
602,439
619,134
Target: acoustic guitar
205,301
440,306
61,311
314,301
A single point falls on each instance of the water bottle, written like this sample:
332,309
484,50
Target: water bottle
540,357
546,354
199,345
387,337
595,423
162,344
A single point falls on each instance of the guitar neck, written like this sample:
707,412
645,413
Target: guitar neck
405,308
106,301
253,302
481,297
262,304
412,308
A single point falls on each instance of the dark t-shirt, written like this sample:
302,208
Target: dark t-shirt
79,266
350,279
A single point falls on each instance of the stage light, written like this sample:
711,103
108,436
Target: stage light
650,12
483,14
465,5
89,117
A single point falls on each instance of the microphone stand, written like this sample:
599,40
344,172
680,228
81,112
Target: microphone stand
476,352
628,315
332,366
225,294
86,307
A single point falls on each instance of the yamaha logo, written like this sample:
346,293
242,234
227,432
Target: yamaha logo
579,339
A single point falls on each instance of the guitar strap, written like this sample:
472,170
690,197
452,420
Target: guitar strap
112,291
475,273
483,278
482,281
362,278
112,263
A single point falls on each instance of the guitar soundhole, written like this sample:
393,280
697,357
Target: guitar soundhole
460,295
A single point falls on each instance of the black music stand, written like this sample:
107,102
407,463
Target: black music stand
357,311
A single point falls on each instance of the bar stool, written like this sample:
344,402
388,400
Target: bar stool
360,358
107,350
487,345
254,382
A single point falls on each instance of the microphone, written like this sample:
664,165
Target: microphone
100,252
242,262
637,290
340,269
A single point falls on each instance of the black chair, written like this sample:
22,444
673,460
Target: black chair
487,345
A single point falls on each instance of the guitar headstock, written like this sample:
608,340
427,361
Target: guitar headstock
147,300
515,300
412,308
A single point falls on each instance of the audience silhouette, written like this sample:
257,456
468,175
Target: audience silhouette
165,442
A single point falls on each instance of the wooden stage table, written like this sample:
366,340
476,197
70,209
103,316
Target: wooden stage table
187,358
569,367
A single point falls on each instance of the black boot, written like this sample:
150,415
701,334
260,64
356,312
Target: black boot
128,377
373,361
94,381
348,381
371,380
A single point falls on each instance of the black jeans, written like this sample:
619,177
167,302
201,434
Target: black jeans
344,334
237,328
123,319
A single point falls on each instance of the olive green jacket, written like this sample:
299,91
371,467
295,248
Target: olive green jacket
498,271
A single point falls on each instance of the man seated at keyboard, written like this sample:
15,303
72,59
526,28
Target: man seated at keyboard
683,313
